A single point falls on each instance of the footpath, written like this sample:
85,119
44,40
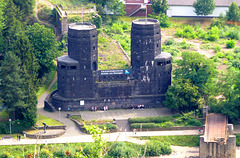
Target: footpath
110,137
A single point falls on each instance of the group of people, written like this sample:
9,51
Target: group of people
105,108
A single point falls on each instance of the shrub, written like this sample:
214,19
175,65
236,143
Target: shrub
217,22
116,28
169,41
158,119
237,50
234,34
164,20
167,124
144,125
179,32
194,122
220,55
236,63
97,20
157,148
121,149
230,44
238,139
217,48
214,34
191,140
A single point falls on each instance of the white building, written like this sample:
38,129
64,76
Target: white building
184,8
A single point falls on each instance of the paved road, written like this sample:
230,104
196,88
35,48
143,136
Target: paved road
118,136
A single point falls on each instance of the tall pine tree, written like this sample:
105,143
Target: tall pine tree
12,93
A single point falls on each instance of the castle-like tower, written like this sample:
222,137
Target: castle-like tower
151,67
81,85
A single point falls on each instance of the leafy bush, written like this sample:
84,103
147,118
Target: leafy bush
164,20
214,34
157,148
158,119
230,44
116,28
191,141
187,119
121,149
238,139
144,125
217,48
167,124
218,22
220,55
169,41
236,63
234,33
237,50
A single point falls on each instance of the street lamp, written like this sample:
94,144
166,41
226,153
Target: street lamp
10,126
59,109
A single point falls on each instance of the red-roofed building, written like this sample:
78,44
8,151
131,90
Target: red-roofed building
138,7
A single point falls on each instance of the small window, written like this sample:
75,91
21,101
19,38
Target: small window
157,45
94,47
157,33
63,66
93,36
169,62
159,63
72,67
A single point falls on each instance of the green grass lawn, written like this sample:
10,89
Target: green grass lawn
54,87
46,81
191,141
48,121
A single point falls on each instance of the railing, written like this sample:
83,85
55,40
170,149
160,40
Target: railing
137,9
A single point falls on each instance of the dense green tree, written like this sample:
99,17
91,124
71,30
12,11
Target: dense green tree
24,51
163,19
204,7
233,12
1,27
12,24
159,6
12,85
97,20
1,15
197,68
182,96
25,6
116,7
45,45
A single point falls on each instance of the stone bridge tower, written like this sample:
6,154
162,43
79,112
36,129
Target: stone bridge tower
77,71
151,67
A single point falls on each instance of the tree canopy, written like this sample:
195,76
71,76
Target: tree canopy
197,68
233,12
204,7
159,6
182,96
45,45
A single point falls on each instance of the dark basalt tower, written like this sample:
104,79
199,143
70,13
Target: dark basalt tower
145,43
77,71
81,85
151,67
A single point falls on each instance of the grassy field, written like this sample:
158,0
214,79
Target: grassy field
48,121
191,141
46,81
72,4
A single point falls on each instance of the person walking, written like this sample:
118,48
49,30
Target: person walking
135,131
